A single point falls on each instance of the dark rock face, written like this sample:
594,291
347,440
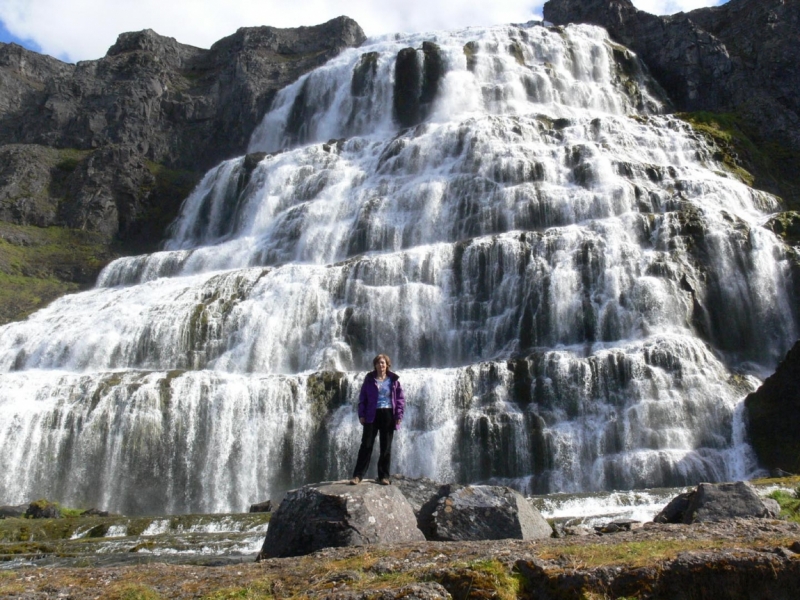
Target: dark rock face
8,511
112,146
416,83
739,57
487,513
42,509
423,495
773,416
265,506
150,102
176,104
332,515
712,503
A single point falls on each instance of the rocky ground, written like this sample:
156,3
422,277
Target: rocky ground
735,559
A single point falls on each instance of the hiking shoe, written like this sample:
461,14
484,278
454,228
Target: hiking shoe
385,481
355,481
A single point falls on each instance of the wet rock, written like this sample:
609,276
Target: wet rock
773,416
711,503
8,511
43,509
333,515
487,513
94,512
265,506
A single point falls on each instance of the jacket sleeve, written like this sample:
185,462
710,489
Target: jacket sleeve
399,402
362,400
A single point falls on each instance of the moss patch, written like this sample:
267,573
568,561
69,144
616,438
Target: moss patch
39,264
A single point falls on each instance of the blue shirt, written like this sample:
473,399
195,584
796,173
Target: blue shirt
384,393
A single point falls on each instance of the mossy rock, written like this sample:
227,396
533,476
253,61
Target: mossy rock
787,226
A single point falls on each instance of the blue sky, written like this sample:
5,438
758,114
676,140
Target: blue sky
6,36
85,29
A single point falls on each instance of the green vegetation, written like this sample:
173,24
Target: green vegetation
790,503
765,165
69,158
39,264
132,591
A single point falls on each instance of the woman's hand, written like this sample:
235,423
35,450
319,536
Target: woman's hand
361,420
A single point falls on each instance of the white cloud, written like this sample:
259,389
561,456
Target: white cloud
84,29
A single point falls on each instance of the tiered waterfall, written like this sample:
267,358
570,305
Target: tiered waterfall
575,294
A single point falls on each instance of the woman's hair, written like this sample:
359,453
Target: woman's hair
384,357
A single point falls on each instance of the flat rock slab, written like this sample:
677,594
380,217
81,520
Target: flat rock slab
481,512
333,515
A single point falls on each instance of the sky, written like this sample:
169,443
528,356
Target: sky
84,29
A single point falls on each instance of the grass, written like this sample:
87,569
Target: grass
39,264
131,591
789,502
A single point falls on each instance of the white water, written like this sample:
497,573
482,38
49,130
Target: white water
544,212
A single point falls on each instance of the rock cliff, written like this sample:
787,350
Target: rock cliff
739,58
773,413
111,146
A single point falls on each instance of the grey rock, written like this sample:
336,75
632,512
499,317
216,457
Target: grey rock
8,510
423,495
265,506
673,512
487,513
773,416
618,526
773,507
711,503
43,509
337,514
150,102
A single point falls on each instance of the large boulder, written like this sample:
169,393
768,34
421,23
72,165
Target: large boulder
478,512
713,502
337,514
773,416
423,495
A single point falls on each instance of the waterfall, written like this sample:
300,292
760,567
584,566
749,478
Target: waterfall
576,295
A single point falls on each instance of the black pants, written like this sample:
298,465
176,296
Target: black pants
384,424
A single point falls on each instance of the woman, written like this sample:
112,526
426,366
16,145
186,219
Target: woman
381,405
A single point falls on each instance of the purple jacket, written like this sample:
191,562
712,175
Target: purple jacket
368,398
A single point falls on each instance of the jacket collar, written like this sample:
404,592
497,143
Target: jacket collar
390,374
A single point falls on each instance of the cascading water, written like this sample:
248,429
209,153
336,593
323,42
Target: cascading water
577,297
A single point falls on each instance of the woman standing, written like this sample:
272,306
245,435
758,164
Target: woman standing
381,405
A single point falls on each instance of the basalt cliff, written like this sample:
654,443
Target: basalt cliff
96,157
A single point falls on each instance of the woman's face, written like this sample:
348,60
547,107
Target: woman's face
380,366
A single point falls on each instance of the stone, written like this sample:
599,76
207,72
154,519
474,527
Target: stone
673,512
478,512
265,506
773,416
618,526
43,509
11,511
714,502
337,514
423,495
